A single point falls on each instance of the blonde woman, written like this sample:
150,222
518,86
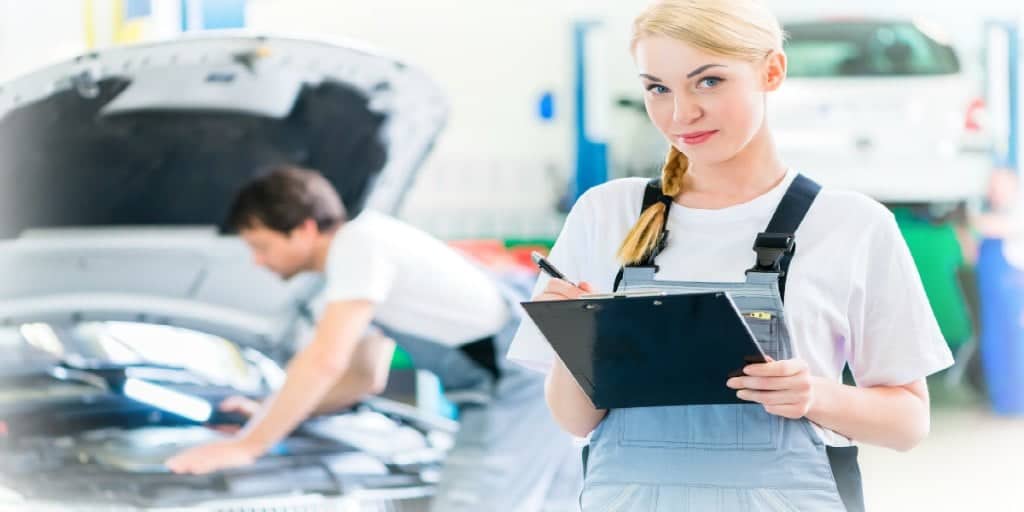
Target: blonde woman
835,259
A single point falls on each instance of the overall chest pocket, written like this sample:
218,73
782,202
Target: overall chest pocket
766,326
708,427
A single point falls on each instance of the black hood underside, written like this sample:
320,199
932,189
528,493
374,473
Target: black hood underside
71,166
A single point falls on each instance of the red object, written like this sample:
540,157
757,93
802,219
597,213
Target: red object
487,252
523,256
974,110
3,428
494,255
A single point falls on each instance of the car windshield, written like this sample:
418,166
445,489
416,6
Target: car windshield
866,49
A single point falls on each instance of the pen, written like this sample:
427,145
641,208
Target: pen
548,268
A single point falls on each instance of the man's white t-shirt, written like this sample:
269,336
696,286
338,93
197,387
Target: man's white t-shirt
420,285
853,294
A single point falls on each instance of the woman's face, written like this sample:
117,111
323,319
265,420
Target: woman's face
708,107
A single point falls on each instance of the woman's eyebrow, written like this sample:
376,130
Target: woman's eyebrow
703,69
690,75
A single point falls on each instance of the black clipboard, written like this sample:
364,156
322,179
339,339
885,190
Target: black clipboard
650,350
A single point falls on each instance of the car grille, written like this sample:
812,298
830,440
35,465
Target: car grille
403,500
402,505
419,503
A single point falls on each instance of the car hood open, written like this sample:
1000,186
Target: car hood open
118,166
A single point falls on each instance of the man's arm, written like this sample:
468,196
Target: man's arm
366,375
310,376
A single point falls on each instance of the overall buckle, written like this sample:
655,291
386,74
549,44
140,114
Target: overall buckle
771,248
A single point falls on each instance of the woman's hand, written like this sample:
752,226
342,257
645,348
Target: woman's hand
558,289
893,416
784,388
570,406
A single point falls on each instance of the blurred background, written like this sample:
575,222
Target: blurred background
525,105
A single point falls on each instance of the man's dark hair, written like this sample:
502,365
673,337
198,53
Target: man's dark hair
283,197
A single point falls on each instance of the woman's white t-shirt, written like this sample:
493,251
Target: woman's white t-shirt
853,294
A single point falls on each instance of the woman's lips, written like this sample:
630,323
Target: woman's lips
692,139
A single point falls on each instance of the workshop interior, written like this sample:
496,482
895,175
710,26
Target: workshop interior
135,301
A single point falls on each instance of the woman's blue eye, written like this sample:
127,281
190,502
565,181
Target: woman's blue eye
709,82
657,89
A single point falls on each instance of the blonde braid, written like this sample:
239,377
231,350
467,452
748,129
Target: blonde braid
644,235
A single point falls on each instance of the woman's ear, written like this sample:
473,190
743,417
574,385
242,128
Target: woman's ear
774,70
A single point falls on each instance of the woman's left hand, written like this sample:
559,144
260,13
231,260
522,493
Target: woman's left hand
785,388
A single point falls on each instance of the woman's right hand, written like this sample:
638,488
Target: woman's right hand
558,289
570,406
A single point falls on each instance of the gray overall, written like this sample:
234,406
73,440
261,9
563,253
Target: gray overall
509,454
734,457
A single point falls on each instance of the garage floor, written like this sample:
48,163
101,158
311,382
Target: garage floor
972,460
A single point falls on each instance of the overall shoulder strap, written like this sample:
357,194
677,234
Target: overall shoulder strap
776,246
652,194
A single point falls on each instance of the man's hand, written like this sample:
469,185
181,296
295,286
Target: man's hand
310,375
212,457
240,405
785,388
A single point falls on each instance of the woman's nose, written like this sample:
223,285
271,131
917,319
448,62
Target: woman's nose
685,110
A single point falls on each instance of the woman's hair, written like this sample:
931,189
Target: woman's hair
742,29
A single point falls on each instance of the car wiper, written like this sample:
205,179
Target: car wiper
148,371
65,374
120,379
105,378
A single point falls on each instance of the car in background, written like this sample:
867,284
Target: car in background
126,315
884,107
879,106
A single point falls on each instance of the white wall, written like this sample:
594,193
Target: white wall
38,32
493,59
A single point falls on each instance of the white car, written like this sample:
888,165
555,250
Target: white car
883,107
125,315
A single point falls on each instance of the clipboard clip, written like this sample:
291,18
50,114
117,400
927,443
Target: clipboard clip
613,295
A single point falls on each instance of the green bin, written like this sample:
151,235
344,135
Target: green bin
937,253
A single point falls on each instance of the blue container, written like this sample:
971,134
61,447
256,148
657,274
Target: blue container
1001,290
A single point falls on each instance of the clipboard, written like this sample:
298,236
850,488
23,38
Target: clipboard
650,349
